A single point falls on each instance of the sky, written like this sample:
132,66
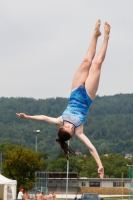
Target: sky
43,42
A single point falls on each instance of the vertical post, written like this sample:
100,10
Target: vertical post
67,175
36,141
36,132
122,185
47,179
131,181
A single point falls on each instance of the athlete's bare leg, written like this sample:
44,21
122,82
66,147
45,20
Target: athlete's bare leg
92,80
83,71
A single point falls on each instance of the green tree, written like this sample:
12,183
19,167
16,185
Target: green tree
6,145
59,165
115,165
21,164
61,154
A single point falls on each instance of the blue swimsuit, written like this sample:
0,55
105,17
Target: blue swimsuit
78,106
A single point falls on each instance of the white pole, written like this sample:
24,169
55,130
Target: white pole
36,141
36,132
67,174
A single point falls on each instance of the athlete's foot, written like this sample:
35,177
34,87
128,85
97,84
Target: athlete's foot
97,28
106,29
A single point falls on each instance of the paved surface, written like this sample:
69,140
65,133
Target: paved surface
79,196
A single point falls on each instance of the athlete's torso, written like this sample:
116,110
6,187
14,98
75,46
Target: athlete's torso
78,106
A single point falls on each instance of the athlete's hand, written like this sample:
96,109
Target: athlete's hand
101,171
21,115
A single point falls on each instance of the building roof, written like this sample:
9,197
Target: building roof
62,174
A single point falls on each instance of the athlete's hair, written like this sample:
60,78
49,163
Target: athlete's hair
64,136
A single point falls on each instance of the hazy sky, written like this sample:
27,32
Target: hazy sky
43,42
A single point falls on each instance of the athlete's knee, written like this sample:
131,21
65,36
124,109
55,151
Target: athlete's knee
98,63
86,63
87,60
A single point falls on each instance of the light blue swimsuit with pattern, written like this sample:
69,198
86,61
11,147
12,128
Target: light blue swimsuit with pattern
78,106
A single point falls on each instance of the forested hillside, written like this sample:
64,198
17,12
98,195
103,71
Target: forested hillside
109,124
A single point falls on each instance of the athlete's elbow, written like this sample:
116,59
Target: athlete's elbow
42,117
92,149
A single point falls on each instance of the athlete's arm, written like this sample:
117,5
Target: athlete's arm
79,133
45,118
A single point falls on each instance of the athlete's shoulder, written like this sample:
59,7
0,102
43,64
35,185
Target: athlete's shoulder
59,120
79,129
